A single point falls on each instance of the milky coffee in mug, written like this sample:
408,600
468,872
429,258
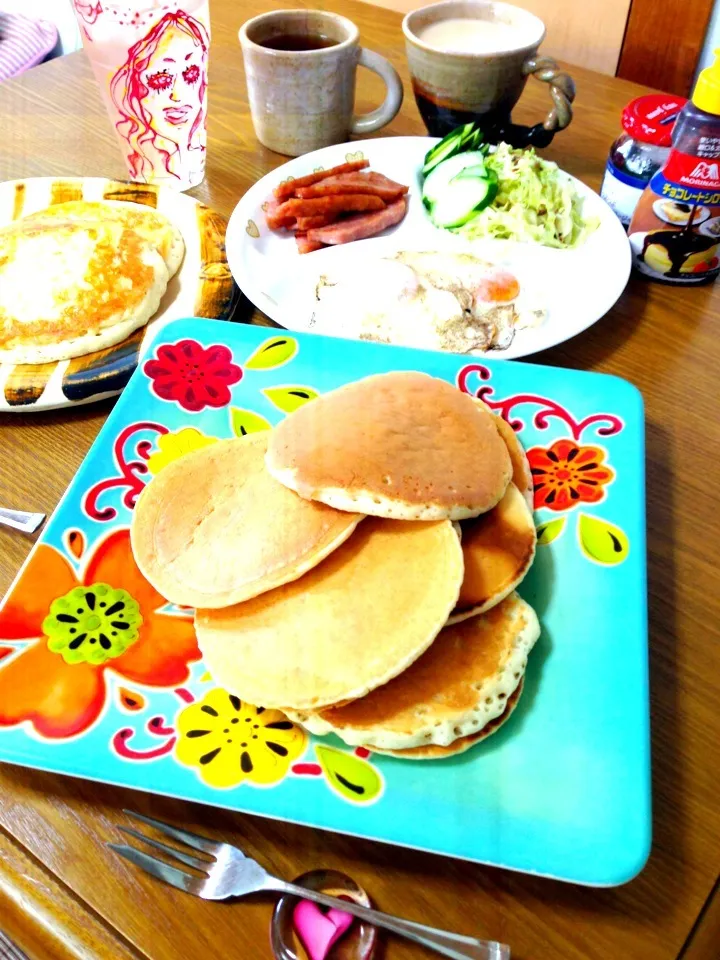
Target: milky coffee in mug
469,61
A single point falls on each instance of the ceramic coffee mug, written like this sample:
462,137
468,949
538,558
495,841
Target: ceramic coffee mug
302,99
456,87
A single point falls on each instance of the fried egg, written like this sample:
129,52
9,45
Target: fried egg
431,300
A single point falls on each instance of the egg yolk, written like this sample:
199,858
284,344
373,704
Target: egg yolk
498,287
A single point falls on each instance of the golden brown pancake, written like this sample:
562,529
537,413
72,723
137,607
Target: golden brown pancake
432,751
402,445
349,625
213,528
498,550
521,475
147,222
455,689
67,289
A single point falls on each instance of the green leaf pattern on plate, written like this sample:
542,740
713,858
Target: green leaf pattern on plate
352,777
549,531
273,353
601,541
243,422
288,399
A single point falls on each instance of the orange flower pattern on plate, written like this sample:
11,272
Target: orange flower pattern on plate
568,473
63,700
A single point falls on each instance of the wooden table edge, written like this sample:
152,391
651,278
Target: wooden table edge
44,918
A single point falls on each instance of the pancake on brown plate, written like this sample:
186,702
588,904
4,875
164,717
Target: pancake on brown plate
151,225
67,289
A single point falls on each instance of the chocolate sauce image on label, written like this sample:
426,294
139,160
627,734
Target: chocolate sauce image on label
679,246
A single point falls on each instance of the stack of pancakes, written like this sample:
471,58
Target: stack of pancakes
81,276
355,567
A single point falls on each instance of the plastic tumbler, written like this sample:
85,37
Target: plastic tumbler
150,59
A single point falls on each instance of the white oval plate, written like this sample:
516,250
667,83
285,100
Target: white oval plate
576,287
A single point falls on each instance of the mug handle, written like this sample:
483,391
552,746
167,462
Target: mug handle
562,92
369,122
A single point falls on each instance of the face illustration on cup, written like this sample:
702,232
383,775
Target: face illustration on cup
300,67
469,61
151,64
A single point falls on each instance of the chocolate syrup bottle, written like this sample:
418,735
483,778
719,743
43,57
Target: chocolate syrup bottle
675,229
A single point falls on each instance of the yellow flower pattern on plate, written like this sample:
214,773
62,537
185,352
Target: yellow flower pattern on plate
172,446
230,741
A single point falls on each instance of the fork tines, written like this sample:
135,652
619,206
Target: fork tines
184,836
160,869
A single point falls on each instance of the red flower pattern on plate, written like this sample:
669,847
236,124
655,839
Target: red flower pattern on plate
568,473
193,376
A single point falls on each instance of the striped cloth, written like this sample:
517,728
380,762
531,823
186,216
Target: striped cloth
23,43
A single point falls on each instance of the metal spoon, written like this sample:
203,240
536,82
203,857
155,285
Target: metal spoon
20,520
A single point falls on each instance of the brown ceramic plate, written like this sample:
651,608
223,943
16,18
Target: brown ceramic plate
202,287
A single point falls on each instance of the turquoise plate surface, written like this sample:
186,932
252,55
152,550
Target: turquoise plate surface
562,790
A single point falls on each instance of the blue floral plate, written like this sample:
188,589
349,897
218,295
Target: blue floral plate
90,689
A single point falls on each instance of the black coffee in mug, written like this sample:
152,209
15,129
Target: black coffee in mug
298,41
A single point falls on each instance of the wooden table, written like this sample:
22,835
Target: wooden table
64,895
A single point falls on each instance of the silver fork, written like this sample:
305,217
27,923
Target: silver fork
227,872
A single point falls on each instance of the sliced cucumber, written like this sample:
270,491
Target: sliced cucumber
436,182
477,170
475,139
462,199
448,146
466,137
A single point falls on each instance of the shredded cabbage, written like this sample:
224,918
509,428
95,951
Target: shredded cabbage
535,202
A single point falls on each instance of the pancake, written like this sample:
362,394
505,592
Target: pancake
402,445
151,225
349,625
455,689
67,289
521,475
213,528
498,550
432,751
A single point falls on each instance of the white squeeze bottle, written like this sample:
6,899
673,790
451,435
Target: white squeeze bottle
675,229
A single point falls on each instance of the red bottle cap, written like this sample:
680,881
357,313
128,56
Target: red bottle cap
651,118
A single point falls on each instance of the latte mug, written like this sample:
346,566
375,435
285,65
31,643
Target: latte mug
300,67
469,61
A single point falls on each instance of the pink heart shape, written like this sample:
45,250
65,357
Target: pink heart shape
320,931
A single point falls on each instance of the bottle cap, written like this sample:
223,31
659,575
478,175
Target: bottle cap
651,118
706,94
